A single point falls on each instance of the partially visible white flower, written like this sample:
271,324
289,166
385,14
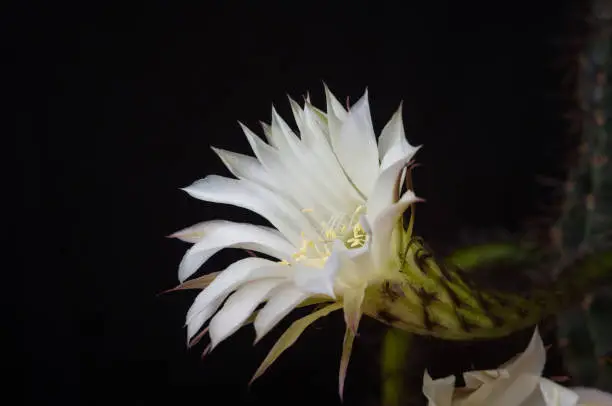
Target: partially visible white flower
333,197
519,382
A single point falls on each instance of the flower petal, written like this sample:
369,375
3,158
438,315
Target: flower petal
356,148
347,348
297,113
228,280
336,114
312,162
290,336
524,376
319,281
190,234
280,135
439,392
531,361
386,190
317,157
277,307
220,234
506,392
242,193
202,317
295,179
382,228
246,167
288,142
324,163
315,134
238,308
353,299
557,395
392,144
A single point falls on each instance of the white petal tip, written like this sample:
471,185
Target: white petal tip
213,344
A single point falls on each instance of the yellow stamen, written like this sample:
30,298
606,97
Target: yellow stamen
339,227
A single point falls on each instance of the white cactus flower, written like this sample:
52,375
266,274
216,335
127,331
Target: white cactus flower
519,382
333,197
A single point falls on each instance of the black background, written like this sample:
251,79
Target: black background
118,105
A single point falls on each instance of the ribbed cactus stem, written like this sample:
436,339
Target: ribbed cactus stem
586,218
587,213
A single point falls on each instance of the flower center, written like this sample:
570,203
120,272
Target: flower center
343,227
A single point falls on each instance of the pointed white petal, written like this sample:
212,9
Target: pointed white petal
191,234
318,159
220,234
281,172
233,276
334,123
531,361
386,190
297,113
279,305
557,395
287,171
245,167
274,138
287,139
284,216
238,308
382,229
393,130
356,147
398,152
324,164
524,376
267,130
309,166
314,132
439,392
334,106
392,144
196,323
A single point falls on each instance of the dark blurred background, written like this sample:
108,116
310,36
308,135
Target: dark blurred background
118,105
